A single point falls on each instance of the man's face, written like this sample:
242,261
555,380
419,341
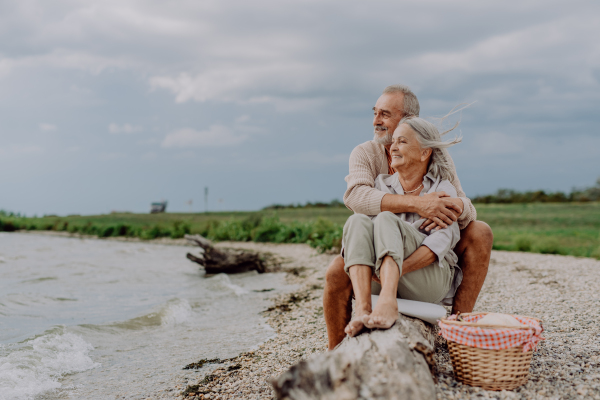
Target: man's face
388,111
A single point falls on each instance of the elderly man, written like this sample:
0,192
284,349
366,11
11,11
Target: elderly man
373,158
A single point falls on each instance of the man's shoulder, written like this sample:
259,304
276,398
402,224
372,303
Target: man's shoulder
369,148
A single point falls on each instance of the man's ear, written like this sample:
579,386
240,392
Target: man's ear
425,154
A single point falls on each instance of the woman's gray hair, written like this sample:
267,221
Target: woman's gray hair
430,138
411,103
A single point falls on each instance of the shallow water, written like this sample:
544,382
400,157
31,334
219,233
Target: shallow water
83,318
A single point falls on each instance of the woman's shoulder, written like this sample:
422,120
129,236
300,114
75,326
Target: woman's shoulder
385,183
446,186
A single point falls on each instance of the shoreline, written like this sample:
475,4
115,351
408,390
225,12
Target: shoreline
296,318
163,240
563,291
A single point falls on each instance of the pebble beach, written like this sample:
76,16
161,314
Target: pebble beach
562,291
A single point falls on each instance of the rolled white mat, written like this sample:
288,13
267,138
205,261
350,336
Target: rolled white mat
417,309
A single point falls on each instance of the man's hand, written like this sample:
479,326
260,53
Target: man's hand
439,209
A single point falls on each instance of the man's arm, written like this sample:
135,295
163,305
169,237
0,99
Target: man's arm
438,206
361,195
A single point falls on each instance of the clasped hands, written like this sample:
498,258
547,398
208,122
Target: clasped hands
440,209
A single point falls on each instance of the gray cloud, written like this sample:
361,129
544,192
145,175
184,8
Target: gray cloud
124,128
216,135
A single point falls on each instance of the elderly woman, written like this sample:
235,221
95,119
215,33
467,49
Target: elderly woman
375,247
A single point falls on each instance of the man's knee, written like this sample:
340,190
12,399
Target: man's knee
477,235
336,277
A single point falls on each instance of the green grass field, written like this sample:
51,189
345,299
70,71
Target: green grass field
551,228
557,228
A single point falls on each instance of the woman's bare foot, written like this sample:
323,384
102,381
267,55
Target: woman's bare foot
384,315
358,322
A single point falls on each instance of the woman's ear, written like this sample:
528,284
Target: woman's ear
425,154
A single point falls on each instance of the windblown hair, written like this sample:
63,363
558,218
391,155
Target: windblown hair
411,103
430,138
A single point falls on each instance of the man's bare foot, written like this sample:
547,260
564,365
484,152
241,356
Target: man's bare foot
384,315
358,322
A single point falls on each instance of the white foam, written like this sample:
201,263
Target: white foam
222,280
36,367
176,312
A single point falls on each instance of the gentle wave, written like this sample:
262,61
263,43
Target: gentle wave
36,366
222,281
174,312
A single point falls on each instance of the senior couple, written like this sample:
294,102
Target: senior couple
414,234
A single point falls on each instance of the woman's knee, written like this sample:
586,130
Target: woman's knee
385,218
358,221
385,223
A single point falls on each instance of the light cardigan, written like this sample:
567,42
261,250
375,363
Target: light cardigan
367,162
442,241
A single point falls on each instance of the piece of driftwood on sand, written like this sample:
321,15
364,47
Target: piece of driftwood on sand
229,261
396,363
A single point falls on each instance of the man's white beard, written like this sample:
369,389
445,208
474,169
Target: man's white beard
385,140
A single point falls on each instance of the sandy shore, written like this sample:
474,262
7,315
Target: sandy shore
563,291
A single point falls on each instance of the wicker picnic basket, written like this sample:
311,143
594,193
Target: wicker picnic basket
490,369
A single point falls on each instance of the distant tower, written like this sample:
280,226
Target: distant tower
206,198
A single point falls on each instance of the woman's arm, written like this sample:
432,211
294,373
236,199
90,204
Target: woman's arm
443,240
421,258
469,213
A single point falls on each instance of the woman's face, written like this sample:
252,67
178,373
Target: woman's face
406,150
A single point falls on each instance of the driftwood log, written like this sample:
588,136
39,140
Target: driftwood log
229,261
381,364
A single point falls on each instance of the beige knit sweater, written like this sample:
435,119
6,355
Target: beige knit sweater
367,161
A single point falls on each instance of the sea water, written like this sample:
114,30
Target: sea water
97,319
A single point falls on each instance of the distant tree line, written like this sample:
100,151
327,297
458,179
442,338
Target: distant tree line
540,196
501,196
335,203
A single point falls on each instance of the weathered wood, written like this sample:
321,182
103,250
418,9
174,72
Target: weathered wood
381,364
228,261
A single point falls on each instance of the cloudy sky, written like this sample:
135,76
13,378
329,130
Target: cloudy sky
109,105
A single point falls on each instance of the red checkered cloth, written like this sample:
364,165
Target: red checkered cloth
493,338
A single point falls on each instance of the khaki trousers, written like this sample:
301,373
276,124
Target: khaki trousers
368,242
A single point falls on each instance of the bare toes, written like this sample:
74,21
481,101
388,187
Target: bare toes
354,327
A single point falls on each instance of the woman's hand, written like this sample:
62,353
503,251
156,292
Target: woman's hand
439,209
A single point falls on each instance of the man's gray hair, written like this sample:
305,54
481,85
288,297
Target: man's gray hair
430,138
411,103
